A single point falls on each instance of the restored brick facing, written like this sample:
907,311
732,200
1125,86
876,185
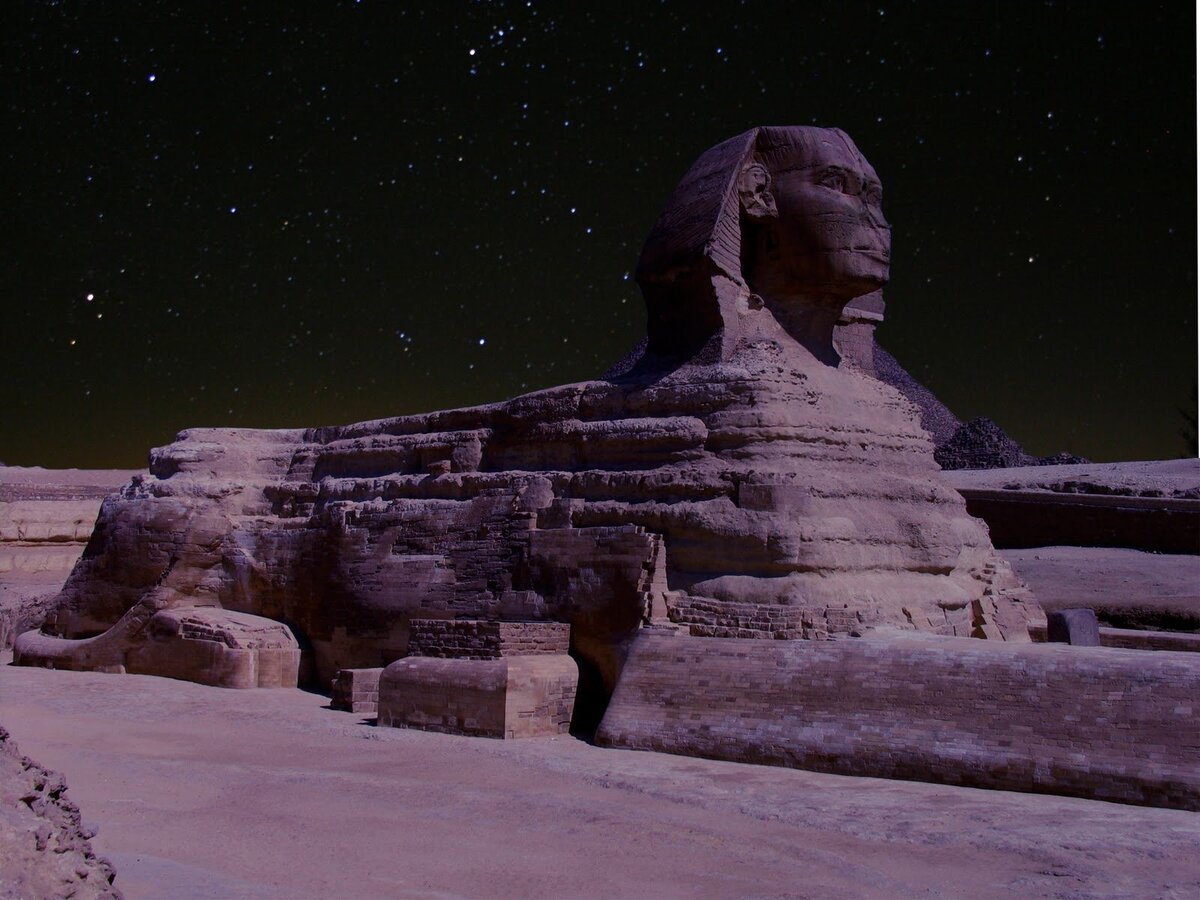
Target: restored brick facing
1093,722
477,639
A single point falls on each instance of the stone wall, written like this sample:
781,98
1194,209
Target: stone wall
1093,722
476,639
489,679
1132,639
1135,639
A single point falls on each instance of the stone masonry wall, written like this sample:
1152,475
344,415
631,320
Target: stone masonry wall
475,639
534,638
1039,518
1101,723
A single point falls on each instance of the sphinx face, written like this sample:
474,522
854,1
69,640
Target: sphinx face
828,241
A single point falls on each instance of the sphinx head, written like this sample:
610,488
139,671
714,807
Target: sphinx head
790,214
812,228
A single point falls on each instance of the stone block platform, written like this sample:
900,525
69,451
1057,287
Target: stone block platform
489,679
1095,722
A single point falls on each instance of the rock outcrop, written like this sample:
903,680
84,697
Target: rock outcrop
735,479
45,850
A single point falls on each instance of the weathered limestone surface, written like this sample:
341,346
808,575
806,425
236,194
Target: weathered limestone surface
737,479
1087,721
45,849
46,518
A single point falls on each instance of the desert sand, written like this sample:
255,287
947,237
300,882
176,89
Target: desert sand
204,792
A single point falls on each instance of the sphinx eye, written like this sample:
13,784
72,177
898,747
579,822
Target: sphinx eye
833,179
873,195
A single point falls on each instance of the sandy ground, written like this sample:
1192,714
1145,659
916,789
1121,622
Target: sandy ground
203,792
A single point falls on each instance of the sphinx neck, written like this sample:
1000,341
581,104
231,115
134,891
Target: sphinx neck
810,322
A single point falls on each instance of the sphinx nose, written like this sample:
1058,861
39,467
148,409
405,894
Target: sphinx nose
874,215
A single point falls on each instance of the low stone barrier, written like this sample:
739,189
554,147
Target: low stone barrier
1093,722
1137,639
513,697
1044,518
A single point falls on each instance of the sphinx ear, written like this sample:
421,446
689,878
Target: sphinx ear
754,193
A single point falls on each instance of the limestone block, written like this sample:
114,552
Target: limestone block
1073,626
356,690
46,518
506,697
481,639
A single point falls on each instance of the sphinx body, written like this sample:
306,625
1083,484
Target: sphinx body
736,480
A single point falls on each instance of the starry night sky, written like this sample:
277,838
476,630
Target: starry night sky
241,214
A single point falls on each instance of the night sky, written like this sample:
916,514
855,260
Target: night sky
243,214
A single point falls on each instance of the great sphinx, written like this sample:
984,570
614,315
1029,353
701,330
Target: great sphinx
734,478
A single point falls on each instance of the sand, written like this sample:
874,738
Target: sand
203,792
